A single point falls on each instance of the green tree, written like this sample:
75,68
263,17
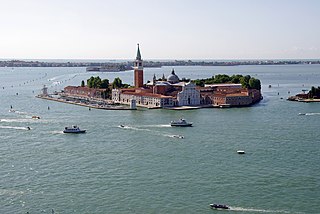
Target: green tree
236,78
104,83
221,78
254,83
90,82
82,83
117,83
245,81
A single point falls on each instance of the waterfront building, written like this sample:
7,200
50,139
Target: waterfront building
189,95
83,92
171,92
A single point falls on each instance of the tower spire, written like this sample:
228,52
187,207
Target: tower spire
138,53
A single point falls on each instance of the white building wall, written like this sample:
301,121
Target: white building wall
189,96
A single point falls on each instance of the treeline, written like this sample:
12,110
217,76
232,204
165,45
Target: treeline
246,81
97,82
314,93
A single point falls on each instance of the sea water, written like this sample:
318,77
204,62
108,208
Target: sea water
142,167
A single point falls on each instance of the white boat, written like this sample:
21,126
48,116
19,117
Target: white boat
73,130
241,152
181,122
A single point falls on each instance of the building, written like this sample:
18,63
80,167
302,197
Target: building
172,92
138,70
84,92
189,95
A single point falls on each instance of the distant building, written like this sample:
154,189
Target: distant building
84,92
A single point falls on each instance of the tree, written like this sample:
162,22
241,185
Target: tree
90,82
82,83
254,83
221,78
236,78
117,83
104,83
245,81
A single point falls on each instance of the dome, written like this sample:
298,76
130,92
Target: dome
173,78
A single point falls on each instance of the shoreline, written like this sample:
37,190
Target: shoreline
102,107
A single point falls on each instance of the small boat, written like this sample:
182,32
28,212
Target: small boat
178,136
35,117
219,206
73,130
28,128
241,152
121,126
181,123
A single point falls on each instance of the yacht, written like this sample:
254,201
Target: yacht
73,129
181,122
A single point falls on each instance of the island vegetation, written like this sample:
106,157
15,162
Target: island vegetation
98,83
246,81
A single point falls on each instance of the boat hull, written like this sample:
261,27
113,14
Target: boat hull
181,125
75,132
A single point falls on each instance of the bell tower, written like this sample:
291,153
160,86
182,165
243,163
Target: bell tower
138,70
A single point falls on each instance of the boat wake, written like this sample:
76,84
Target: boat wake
257,210
159,126
308,114
26,120
153,131
175,136
57,132
14,127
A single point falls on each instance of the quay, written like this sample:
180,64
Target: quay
95,105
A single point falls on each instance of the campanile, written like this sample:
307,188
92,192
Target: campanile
138,70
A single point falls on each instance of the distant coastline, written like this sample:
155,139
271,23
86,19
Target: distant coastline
126,65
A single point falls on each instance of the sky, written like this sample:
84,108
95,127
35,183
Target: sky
165,29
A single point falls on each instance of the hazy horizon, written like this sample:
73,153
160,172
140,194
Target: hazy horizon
172,30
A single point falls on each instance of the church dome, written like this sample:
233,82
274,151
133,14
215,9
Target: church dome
173,78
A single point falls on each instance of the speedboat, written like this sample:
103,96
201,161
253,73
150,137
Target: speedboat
181,123
73,130
35,117
178,136
219,206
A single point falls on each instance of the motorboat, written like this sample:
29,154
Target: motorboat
121,126
219,206
73,130
35,117
181,123
28,128
178,136
241,152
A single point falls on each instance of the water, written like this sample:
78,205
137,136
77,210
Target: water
142,167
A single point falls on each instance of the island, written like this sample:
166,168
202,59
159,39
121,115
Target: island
312,96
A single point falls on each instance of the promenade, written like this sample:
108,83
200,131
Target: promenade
89,104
